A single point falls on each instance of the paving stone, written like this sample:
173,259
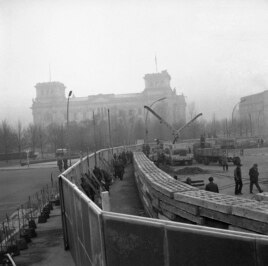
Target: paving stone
254,210
262,196
214,201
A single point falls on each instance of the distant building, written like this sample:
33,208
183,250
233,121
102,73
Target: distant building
253,110
50,104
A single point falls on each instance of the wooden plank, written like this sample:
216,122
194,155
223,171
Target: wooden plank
180,205
239,229
248,224
162,217
155,203
186,215
215,215
171,216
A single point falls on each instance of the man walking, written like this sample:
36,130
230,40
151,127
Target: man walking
212,186
254,176
238,179
224,162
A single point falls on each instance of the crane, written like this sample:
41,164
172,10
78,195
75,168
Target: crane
175,132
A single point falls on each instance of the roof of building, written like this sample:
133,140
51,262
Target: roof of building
50,84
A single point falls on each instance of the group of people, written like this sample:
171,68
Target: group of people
93,182
119,162
62,164
253,176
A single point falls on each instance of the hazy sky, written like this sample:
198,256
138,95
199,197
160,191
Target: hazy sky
215,51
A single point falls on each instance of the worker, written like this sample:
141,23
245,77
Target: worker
188,181
224,162
59,163
238,179
254,176
212,186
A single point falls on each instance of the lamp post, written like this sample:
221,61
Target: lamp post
146,118
68,133
243,100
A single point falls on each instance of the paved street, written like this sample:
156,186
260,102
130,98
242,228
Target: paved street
17,183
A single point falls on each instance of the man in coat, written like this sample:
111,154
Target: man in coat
212,186
238,179
254,177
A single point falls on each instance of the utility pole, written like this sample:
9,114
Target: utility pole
95,145
68,130
110,137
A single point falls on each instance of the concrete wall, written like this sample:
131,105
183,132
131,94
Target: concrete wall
165,197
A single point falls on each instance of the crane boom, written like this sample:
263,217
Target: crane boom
184,126
175,133
160,119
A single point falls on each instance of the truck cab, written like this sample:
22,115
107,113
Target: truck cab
61,153
177,154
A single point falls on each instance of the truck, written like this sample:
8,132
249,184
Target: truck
214,153
61,153
177,154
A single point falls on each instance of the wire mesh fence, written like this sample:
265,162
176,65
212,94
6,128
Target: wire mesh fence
17,229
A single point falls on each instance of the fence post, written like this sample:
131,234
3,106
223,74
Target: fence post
63,216
105,201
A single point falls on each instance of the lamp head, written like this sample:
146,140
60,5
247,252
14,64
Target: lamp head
70,93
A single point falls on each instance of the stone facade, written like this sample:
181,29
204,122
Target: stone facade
50,104
254,110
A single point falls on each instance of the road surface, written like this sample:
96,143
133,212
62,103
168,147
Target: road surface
17,183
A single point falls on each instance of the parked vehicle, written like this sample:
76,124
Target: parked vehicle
61,153
17,155
177,154
211,153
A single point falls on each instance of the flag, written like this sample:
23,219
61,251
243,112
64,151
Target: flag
155,59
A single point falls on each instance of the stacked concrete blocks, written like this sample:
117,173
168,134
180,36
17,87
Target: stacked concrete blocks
178,201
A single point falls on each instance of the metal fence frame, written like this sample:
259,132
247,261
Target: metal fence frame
96,237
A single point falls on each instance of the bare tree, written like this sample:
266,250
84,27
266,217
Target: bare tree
7,138
191,110
41,139
56,136
19,136
31,135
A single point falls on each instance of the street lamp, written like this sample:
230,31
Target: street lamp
243,100
68,133
146,118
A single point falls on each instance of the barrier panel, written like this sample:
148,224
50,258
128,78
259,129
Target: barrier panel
96,237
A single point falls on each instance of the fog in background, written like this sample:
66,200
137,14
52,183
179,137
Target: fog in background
215,51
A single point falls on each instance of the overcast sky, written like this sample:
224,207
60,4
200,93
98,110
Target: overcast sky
215,51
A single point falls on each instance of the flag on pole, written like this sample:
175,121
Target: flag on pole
155,59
